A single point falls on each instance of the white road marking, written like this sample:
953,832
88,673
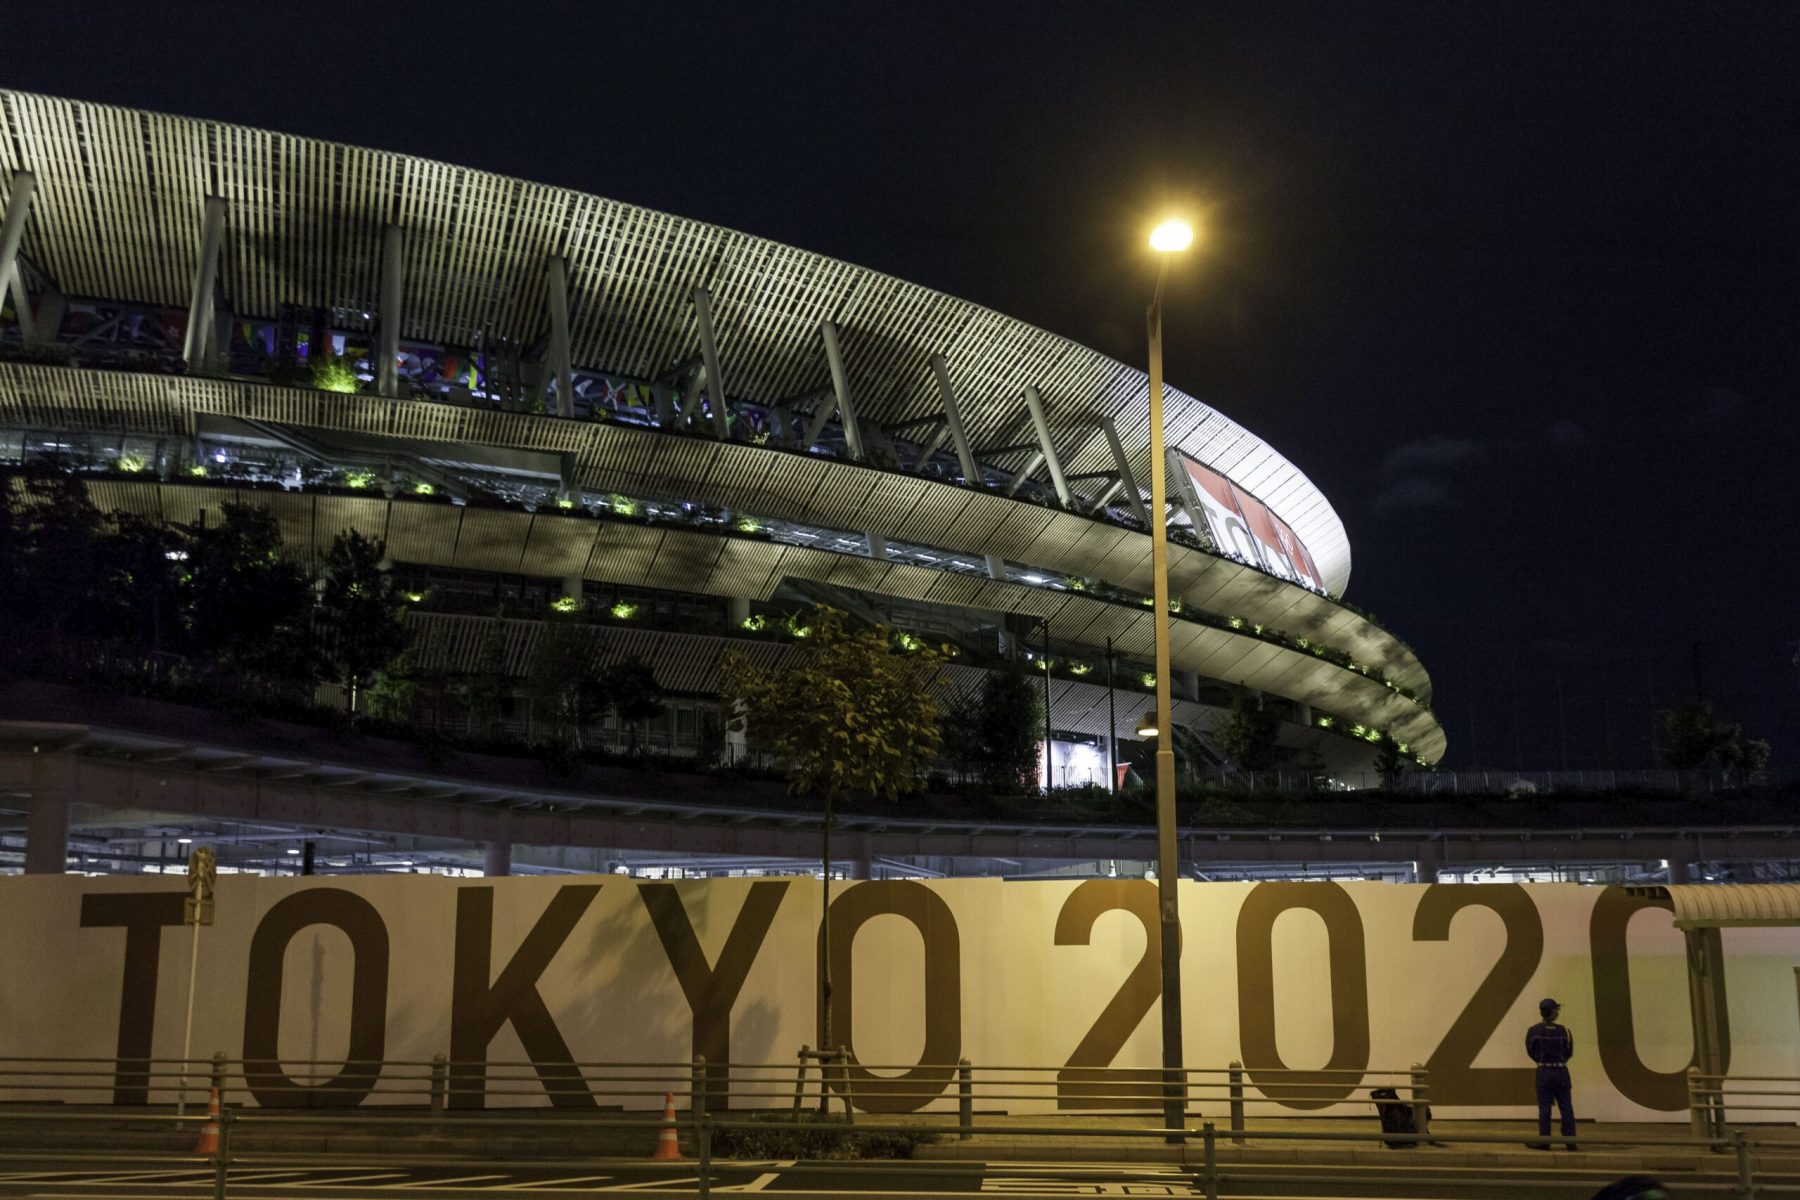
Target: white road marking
344,1181
542,1184
1070,1187
755,1185
437,1183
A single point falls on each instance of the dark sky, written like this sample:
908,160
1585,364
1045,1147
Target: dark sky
1514,284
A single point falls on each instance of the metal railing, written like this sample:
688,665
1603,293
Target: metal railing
610,1110
813,1078
1201,1151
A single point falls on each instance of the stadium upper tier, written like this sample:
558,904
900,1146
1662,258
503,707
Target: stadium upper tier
582,347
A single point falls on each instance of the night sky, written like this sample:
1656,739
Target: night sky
1515,285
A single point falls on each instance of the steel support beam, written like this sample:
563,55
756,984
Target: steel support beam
393,288
196,346
1124,465
840,386
1106,494
12,232
1031,466
562,364
1052,459
959,433
709,354
933,444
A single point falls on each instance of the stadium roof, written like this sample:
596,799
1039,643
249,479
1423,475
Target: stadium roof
120,207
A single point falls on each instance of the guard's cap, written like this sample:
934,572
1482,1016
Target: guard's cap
1546,1004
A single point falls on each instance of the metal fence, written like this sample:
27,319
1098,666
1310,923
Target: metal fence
625,1107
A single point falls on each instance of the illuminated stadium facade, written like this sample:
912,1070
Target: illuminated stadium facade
691,434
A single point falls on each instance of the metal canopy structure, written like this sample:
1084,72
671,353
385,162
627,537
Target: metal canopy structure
121,206
1728,906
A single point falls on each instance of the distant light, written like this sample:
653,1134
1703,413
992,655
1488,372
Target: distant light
219,457
184,841
1147,725
1171,236
1036,579
293,849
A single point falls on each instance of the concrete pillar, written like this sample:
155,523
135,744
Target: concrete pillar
1429,862
47,825
1680,871
393,290
737,611
496,858
12,231
862,863
571,586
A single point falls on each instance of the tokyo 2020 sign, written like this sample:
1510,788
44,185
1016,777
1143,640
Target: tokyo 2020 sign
1284,977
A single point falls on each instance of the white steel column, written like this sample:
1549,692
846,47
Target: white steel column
709,354
959,434
840,386
1035,403
556,287
393,287
1124,466
12,232
197,346
1186,499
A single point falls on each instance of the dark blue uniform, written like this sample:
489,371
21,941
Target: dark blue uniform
1551,1048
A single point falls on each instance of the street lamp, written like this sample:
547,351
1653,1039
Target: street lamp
1169,238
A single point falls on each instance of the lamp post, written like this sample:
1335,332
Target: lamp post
1171,237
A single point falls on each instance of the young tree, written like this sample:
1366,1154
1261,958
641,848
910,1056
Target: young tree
1250,733
51,569
847,715
560,679
143,560
996,730
361,619
489,685
634,693
1390,760
1693,736
245,608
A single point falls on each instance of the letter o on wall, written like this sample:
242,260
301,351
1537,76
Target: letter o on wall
913,1089
368,935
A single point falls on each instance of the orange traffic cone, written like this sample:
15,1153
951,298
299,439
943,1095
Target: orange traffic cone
667,1147
209,1132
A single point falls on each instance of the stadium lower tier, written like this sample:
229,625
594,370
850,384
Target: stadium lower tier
569,507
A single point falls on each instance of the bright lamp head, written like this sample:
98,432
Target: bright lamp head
1147,725
1171,236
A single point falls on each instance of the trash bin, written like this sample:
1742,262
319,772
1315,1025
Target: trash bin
1396,1116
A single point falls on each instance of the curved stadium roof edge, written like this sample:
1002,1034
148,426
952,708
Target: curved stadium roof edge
305,223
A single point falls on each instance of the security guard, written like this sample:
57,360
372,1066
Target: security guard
1551,1047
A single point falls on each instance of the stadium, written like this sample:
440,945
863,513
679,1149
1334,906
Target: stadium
690,435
